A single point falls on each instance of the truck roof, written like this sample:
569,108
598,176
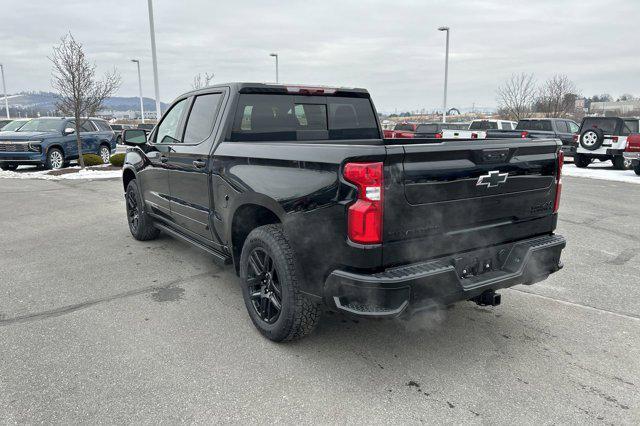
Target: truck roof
248,87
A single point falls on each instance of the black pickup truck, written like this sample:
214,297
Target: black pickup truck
297,189
543,128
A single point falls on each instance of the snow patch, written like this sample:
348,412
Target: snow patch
31,173
602,171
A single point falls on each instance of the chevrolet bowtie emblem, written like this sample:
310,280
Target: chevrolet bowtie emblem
492,179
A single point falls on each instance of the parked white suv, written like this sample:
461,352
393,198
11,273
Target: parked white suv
604,138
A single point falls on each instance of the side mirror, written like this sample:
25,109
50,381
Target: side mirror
134,137
69,130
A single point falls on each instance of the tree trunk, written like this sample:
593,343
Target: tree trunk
79,142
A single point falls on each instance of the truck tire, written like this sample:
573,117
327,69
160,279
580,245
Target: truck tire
636,168
270,288
140,223
619,163
591,139
55,159
8,167
581,160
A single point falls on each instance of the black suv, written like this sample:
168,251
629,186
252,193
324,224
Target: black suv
296,187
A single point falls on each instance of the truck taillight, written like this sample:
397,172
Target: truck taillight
364,217
556,204
524,135
439,135
474,135
614,139
575,137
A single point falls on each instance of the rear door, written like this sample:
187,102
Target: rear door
455,196
190,167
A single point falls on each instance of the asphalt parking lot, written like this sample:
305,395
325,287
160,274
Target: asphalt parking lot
97,327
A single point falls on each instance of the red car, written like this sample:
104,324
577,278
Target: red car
401,130
632,151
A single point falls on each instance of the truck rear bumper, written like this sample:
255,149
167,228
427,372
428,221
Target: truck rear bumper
445,280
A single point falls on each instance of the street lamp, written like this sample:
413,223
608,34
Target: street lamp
275,55
137,61
153,58
4,89
446,75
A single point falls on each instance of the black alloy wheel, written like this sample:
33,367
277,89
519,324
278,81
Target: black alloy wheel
265,291
133,211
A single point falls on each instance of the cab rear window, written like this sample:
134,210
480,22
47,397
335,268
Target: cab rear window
262,117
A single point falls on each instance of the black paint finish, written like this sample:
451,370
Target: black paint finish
432,205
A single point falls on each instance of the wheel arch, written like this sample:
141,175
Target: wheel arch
127,176
246,218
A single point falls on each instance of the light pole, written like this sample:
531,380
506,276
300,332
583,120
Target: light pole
275,55
137,61
4,89
446,76
154,60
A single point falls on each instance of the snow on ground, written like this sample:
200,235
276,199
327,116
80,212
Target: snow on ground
601,170
33,173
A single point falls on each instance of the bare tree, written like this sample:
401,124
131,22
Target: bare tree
81,95
557,96
516,95
199,81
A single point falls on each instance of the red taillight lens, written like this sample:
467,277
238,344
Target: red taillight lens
556,204
575,138
438,135
365,215
524,135
474,136
614,138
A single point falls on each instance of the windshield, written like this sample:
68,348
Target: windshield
608,125
483,125
539,125
427,128
13,126
404,127
42,125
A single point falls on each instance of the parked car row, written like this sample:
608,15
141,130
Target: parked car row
50,142
474,130
601,138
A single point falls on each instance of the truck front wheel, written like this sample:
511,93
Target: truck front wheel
636,168
270,288
140,224
619,163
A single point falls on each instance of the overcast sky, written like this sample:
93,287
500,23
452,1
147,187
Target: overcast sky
390,47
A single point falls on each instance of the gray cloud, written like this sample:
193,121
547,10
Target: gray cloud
391,48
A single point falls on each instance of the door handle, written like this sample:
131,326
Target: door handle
199,164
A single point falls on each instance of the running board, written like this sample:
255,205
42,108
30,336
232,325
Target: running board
218,257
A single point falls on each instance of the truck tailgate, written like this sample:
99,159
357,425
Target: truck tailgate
453,196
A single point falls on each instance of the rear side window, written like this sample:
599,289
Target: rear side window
630,126
562,126
608,125
507,126
102,125
201,118
573,127
299,118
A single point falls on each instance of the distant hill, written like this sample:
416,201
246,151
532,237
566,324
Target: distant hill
44,103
